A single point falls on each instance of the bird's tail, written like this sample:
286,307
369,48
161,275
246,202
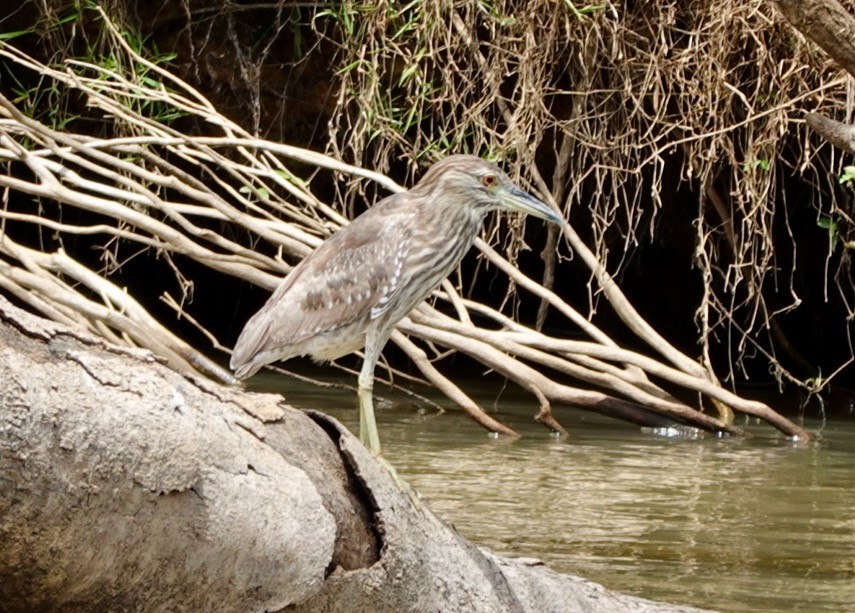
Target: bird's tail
250,346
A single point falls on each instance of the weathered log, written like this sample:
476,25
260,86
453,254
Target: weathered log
127,486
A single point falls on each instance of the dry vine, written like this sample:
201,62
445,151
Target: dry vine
175,195
605,100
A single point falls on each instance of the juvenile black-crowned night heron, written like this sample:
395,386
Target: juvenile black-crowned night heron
353,289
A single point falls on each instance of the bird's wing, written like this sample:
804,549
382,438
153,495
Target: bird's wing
354,274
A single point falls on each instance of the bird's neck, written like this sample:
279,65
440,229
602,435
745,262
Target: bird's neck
457,217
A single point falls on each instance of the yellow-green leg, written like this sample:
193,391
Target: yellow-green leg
367,423
368,433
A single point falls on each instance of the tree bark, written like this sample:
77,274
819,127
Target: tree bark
830,26
127,486
839,134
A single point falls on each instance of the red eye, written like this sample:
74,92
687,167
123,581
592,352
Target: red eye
488,180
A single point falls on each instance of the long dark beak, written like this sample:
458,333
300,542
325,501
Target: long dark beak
518,200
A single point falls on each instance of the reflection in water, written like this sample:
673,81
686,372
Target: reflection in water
735,525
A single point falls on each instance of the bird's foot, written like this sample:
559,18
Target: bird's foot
371,438
405,487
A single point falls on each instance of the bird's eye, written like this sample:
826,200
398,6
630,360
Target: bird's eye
488,180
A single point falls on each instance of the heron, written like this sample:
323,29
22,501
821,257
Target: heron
358,284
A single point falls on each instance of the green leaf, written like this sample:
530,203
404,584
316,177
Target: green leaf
750,165
579,13
815,383
830,224
11,35
262,192
408,72
291,178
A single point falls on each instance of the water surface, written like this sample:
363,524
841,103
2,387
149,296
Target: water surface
733,525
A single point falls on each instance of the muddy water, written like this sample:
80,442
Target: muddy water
734,525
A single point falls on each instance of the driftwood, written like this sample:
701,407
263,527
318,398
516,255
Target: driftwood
127,486
161,190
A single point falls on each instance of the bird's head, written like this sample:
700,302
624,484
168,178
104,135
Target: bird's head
481,185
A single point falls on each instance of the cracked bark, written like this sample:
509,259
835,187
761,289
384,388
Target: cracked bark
127,486
830,26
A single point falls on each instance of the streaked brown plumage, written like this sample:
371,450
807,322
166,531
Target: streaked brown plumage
353,289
